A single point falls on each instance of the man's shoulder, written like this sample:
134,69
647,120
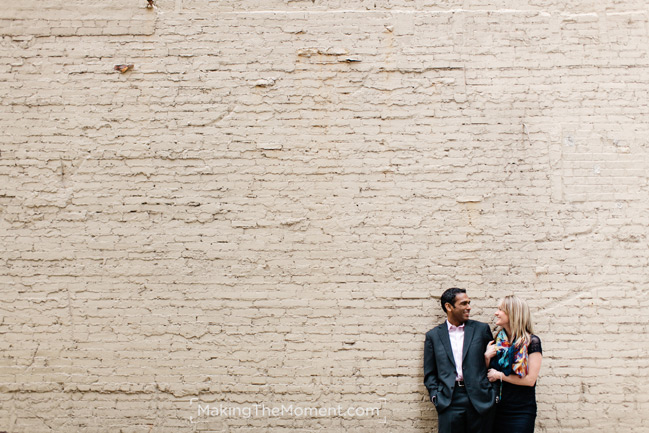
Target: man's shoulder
436,328
477,324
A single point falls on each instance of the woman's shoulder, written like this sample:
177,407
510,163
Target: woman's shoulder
535,344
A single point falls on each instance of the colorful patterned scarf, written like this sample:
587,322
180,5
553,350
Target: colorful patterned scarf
511,358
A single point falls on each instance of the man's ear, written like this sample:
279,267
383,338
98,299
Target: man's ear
448,306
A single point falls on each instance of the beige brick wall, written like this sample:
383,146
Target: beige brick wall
265,209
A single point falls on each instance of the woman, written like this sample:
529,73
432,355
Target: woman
515,361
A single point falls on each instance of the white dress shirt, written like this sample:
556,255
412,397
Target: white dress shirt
456,334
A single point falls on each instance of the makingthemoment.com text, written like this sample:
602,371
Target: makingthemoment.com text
263,411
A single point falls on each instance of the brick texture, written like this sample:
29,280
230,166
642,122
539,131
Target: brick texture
264,210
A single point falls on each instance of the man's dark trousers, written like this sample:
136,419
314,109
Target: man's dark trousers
466,409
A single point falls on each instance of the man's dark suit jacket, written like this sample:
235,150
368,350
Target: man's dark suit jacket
439,366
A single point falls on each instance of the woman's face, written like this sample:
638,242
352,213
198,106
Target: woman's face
502,319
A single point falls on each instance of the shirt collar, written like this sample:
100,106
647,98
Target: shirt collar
453,327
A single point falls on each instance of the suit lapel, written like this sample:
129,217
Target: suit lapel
468,336
446,341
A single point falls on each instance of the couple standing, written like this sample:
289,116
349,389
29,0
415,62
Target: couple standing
462,364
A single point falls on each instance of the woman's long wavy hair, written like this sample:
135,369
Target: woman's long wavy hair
520,319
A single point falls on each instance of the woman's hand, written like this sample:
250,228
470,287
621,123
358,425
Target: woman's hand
494,375
491,350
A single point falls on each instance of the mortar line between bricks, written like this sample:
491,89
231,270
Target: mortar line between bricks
437,12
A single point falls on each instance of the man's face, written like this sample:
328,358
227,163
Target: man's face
459,313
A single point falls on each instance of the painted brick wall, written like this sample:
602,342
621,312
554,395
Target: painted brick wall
262,213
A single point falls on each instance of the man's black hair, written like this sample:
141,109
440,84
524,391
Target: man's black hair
449,296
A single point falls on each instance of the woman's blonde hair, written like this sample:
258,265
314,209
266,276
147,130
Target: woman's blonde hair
520,319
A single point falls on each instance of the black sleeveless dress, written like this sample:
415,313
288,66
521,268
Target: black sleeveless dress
516,411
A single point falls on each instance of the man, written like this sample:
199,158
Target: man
455,369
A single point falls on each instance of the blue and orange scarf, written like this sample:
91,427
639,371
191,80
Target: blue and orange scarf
511,358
